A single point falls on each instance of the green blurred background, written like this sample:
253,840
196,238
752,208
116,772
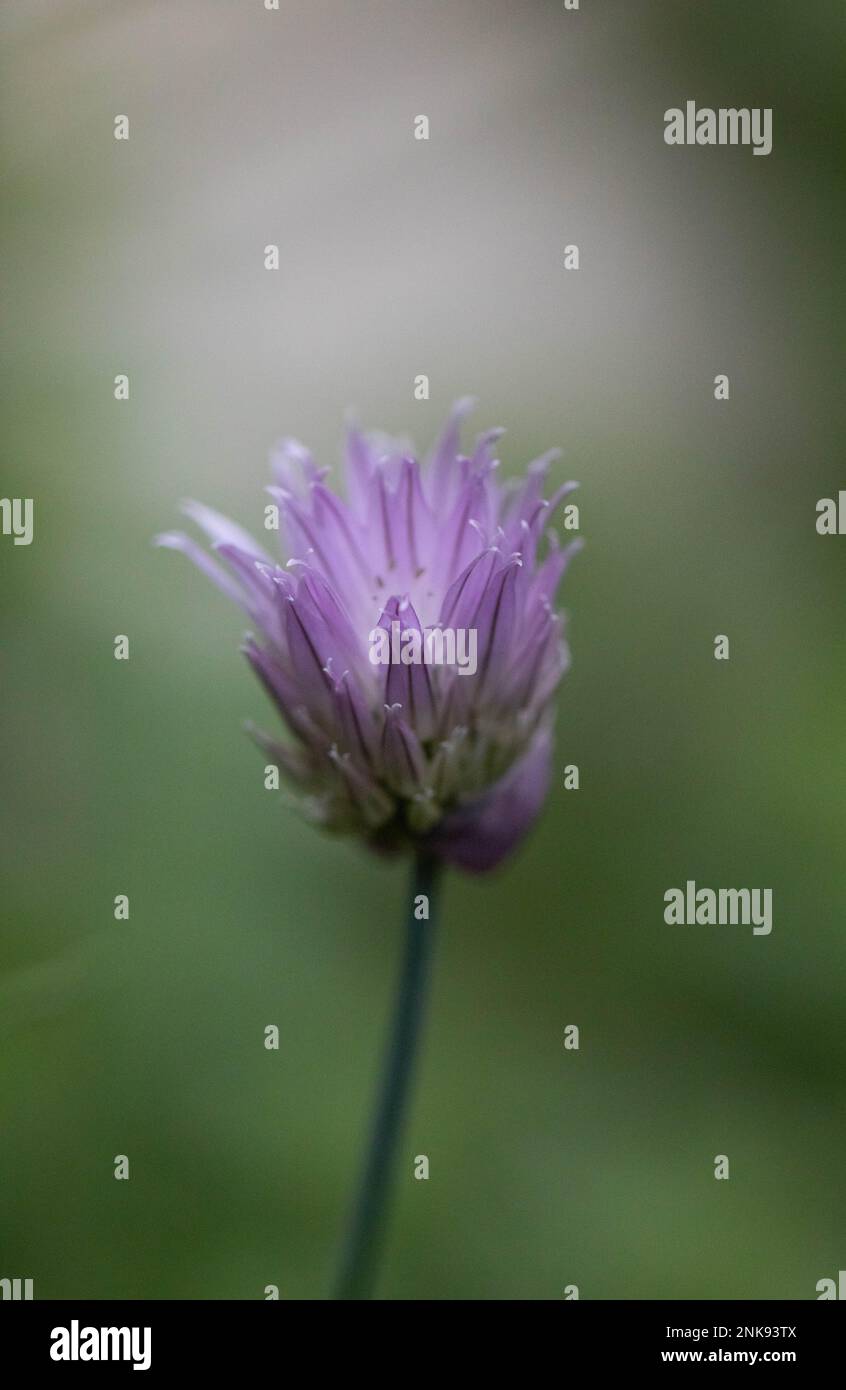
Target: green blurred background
145,1037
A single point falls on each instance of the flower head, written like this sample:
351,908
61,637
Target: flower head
408,639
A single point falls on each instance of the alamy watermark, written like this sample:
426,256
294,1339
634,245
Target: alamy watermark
691,906
831,515
729,125
432,646
76,1343
16,1289
16,518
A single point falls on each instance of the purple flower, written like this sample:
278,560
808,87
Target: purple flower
409,642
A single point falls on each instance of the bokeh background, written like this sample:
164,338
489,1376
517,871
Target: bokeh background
145,1038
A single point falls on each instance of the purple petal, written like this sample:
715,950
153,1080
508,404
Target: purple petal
402,755
481,833
409,686
177,540
221,531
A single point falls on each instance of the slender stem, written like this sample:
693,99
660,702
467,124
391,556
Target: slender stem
364,1239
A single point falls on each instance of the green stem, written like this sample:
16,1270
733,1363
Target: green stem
364,1240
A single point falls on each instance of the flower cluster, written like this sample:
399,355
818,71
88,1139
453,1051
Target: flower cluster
405,753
